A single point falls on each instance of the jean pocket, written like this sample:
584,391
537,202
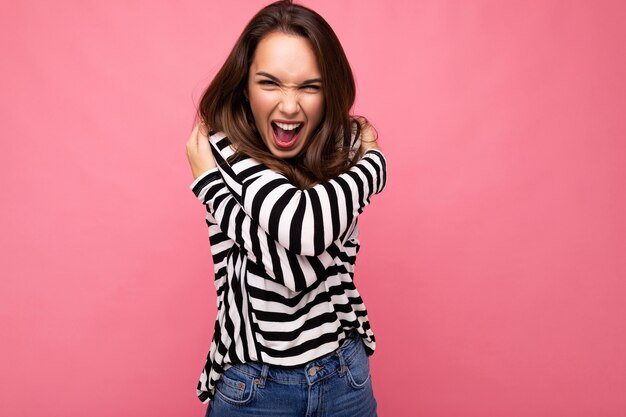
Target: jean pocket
358,370
235,388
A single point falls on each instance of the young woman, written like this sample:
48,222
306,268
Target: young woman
284,172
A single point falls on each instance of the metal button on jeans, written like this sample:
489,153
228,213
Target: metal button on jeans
313,370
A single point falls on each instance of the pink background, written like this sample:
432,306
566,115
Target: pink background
493,266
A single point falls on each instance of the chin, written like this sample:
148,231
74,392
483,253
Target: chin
292,153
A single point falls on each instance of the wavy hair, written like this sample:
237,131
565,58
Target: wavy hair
223,107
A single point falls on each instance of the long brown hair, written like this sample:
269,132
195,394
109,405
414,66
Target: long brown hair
223,106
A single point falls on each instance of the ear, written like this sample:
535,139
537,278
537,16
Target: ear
245,94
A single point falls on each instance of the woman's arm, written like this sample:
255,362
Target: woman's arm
304,222
295,271
307,222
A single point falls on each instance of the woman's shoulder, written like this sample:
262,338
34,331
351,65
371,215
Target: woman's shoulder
222,143
237,163
219,138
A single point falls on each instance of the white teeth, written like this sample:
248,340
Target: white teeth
286,126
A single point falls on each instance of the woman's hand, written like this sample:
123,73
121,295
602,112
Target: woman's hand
199,151
369,137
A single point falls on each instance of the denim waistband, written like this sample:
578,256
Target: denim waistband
309,373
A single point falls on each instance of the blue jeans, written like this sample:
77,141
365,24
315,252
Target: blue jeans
336,385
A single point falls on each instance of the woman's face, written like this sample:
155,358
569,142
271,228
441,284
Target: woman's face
285,93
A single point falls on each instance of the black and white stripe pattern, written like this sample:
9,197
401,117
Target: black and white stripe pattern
284,261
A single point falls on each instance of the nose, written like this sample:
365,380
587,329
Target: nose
289,103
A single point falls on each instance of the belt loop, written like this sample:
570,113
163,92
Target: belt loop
264,372
342,363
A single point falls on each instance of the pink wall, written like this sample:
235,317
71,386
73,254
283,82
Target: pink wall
493,266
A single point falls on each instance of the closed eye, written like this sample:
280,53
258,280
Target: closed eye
267,82
311,87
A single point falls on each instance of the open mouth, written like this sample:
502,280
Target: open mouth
286,134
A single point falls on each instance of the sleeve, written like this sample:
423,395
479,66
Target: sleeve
295,271
307,222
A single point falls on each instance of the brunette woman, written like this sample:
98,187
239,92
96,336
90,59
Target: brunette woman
284,171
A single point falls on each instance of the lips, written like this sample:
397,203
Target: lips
285,138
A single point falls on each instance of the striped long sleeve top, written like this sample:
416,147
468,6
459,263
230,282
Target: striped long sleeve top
283,260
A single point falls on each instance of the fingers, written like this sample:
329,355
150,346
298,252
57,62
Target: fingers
370,145
202,138
203,129
192,142
199,152
198,136
368,138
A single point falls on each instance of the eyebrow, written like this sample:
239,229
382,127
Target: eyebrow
271,77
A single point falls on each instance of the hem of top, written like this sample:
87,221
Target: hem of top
343,343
